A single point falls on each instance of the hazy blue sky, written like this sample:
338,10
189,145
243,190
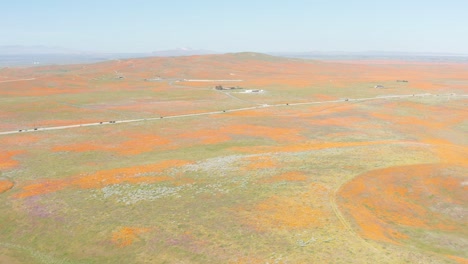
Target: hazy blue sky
238,25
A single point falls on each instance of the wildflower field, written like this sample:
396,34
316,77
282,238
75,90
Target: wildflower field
341,181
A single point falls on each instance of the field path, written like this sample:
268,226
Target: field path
346,100
347,225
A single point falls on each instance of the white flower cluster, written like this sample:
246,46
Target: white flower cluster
217,166
131,194
212,188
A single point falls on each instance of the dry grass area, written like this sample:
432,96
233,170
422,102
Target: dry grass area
378,181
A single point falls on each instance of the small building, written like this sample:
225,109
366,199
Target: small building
220,87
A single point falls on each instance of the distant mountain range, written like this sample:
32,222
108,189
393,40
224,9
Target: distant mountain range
182,52
17,55
379,55
368,53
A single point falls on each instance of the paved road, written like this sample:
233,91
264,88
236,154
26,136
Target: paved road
346,100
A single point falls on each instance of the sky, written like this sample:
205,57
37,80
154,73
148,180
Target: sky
238,25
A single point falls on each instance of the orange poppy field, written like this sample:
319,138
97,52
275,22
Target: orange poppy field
293,161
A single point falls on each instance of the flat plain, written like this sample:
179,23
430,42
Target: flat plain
318,166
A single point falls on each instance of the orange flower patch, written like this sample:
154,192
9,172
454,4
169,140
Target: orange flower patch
303,210
247,113
381,201
139,144
42,91
292,176
285,213
20,139
207,136
260,162
324,97
5,185
449,152
125,236
452,154
374,228
137,174
203,85
7,161
275,133
459,260
338,121
80,147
